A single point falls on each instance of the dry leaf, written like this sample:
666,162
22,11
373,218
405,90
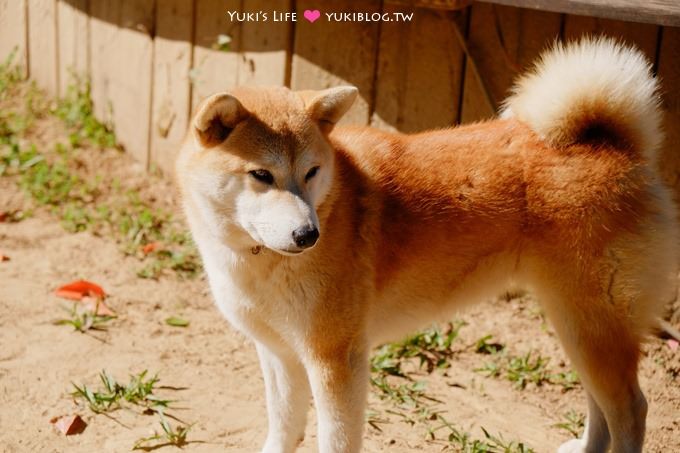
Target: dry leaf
673,344
151,247
90,294
79,289
3,257
69,424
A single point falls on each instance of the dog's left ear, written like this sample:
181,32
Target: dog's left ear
328,106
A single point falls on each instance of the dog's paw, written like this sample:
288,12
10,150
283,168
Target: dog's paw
573,446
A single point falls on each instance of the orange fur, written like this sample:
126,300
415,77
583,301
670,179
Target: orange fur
414,226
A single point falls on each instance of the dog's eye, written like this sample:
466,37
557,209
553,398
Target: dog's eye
311,173
263,176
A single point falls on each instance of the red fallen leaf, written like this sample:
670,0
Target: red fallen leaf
3,216
89,293
151,247
69,424
79,289
673,344
3,257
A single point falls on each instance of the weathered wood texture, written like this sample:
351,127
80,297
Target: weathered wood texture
669,72
643,36
121,49
172,56
13,32
264,58
418,84
330,53
502,41
435,4
43,60
73,39
215,68
150,62
662,12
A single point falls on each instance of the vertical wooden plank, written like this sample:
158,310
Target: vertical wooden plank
13,24
419,72
642,35
42,44
264,45
669,73
214,69
133,75
502,41
103,31
332,53
72,28
172,87
121,53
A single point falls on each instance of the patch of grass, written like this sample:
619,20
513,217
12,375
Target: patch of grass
412,393
169,436
485,346
54,183
461,441
139,391
527,369
10,73
76,110
14,159
431,347
567,380
83,319
55,180
574,423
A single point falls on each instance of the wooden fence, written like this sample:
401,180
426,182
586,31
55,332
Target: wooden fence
151,61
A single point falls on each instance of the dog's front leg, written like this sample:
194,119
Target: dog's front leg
287,390
339,384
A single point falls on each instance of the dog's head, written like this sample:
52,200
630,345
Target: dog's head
258,164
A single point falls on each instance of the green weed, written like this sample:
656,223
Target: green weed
431,347
485,346
83,319
10,73
139,391
76,110
527,369
461,441
574,423
168,436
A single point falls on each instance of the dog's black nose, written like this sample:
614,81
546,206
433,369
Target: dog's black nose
306,236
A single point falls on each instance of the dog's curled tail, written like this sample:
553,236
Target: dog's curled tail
596,91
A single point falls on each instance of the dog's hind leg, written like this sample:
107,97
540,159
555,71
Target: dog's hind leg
288,394
604,349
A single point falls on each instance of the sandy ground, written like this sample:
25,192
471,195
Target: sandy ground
223,390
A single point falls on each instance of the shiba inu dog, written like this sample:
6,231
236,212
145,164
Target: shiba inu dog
321,242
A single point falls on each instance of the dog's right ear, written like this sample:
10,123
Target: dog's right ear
216,118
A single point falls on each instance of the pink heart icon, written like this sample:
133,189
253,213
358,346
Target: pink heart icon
312,15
